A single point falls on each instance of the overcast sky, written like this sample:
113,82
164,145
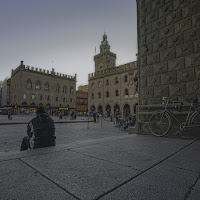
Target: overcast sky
66,32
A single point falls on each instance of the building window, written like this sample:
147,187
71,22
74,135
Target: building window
46,86
48,98
37,85
92,96
71,100
116,80
99,83
99,95
24,96
107,94
71,90
28,84
126,91
64,89
125,78
107,82
116,93
41,97
92,85
64,100
33,96
56,98
57,88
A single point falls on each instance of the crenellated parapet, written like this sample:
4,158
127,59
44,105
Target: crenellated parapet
118,69
52,73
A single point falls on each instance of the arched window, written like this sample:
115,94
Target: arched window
99,83
57,88
116,80
24,104
64,89
116,93
28,84
92,85
37,85
125,78
107,94
99,95
46,86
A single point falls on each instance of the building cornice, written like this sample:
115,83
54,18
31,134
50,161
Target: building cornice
117,70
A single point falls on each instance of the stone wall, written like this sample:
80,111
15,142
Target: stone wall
168,50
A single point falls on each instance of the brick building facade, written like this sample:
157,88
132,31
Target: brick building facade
32,87
112,88
81,102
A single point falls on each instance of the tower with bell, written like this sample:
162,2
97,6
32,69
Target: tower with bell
105,59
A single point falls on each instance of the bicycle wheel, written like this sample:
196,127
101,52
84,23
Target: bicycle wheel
159,123
195,120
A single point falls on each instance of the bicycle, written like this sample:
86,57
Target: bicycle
130,122
161,122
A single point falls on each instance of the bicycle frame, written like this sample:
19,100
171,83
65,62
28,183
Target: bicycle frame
185,123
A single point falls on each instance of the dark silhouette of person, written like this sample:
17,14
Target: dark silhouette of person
95,116
42,129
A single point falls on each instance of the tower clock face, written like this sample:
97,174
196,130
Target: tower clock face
100,66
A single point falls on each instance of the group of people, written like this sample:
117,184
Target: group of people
96,116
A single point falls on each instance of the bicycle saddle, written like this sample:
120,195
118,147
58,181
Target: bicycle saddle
192,100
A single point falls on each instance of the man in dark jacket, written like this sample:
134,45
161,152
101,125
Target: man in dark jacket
42,128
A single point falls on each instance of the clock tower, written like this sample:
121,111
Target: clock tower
105,59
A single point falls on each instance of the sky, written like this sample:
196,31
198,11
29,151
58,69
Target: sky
63,34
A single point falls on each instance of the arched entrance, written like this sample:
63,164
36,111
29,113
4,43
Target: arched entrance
126,110
24,104
116,109
100,109
108,110
92,108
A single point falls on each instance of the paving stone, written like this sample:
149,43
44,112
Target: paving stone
18,181
195,193
188,158
84,176
159,183
138,152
